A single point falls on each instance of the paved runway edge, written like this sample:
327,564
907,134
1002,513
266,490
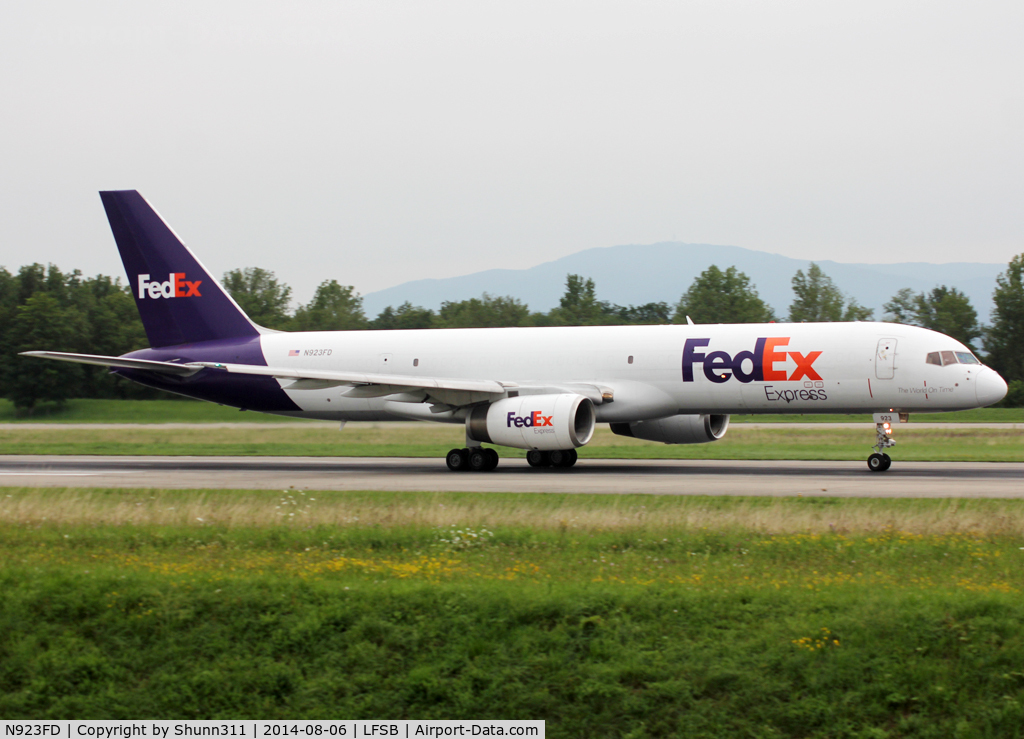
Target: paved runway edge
606,476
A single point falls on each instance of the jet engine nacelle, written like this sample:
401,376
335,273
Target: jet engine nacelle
544,422
681,429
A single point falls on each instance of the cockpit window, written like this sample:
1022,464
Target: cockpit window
946,358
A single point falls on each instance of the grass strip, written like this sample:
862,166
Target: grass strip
656,618
561,513
434,440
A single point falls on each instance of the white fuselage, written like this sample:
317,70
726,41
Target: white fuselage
658,371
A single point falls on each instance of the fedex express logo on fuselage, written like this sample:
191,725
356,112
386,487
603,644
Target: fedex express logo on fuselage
176,286
767,362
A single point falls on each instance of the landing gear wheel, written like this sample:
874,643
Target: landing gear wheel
564,459
537,458
492,459
478,460
879,462
457,460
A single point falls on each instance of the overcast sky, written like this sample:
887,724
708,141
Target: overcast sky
378,142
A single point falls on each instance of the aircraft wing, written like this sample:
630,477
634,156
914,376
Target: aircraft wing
315,379
450,391
364,385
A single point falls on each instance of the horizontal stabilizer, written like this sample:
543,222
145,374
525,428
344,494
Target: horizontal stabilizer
169,368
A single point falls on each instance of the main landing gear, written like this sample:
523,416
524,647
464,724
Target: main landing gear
476,459
556,458
880,461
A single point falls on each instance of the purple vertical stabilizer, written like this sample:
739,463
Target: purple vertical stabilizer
178,300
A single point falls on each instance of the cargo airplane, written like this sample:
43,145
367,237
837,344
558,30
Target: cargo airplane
538,389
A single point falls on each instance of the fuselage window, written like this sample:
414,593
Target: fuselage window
934,358
967,358
948,358
630,359
415,363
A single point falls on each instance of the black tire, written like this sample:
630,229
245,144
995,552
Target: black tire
478,459
537,458
564,458
876,463
457,459
888,462
492,459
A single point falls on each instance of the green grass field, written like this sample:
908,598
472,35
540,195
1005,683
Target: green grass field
607,616
193,411
434,440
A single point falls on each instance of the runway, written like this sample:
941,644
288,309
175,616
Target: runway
608,476
269,425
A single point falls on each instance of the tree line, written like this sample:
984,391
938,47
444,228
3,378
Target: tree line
44,308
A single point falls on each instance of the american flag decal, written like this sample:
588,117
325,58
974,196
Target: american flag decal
293,353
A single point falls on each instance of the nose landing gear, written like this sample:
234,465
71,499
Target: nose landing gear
880,461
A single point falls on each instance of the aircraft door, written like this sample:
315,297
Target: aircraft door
885,359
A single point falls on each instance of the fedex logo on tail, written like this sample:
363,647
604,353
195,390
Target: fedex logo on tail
176,286
767,362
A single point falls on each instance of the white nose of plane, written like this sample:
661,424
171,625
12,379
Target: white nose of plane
991,387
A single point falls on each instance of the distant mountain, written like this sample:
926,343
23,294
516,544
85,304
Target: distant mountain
636,274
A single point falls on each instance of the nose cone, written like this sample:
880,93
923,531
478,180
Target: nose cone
991,387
